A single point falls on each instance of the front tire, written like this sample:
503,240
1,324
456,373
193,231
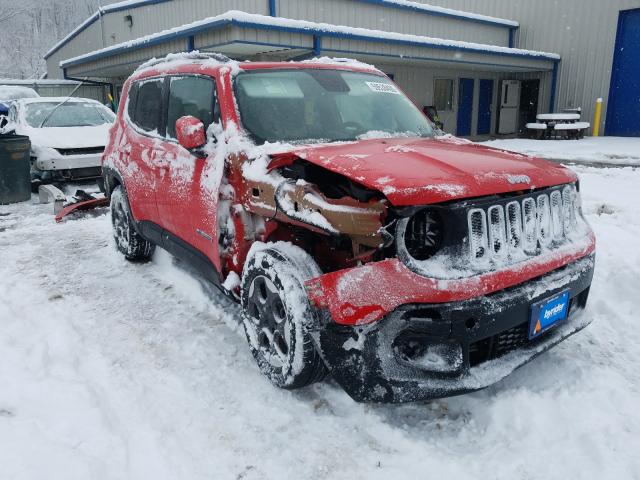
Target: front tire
277,315
128,241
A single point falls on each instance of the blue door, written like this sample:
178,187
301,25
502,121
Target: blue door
623,111
465,106
485,94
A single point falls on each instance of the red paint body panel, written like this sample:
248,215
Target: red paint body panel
366,294
190,132
86,205
420,171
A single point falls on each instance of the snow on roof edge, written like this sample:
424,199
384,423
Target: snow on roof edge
58,99
262,20
99,12
451,11
403,3
73,33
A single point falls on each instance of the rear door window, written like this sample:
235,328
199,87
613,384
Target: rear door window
147,114
194,96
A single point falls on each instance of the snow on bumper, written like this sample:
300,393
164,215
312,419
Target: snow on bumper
365,294
68,162
423,351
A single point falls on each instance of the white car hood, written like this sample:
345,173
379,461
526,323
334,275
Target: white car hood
67,137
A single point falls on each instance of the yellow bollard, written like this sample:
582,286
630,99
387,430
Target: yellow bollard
596,117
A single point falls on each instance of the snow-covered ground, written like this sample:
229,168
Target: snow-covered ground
112,370
599,150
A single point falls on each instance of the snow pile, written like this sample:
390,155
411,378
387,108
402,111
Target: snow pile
111,370
604,150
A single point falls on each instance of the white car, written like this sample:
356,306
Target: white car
68,136
11,93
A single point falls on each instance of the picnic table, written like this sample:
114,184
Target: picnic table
557,125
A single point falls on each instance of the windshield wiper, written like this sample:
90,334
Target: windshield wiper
46,119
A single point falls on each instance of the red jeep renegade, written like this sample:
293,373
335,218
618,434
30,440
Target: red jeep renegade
360,241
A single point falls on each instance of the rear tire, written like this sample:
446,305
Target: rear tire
277,315
128,241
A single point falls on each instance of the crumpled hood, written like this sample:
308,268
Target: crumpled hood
420,171
67,137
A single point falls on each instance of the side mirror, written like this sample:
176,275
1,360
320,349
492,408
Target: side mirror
190,132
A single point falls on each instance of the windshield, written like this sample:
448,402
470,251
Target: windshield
70,114
324,105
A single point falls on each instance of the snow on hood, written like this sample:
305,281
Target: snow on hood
67,137
419,171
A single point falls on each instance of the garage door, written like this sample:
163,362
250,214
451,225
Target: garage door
623,111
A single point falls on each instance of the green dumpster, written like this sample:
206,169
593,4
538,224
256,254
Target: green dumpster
15,175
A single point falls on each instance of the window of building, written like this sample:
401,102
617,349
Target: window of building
148,106
443,94
194,96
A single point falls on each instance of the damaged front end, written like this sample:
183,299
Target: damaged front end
427,301
339,221
423,351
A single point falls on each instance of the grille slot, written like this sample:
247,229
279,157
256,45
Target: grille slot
556,215
514,226
529,216
478,233
569,208
80,151
497,234
527,225
544,219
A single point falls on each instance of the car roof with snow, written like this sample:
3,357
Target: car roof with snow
13,92
26,101
212,62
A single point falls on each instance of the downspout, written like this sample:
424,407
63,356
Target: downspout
315,52
317,45
512,34
554,81
101,17
273,10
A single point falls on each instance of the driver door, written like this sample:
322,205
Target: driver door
186,206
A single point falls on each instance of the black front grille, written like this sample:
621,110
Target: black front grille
80,151
510,339
513,338
81,173
499,344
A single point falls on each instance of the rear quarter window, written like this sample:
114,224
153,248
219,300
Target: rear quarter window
131,101
146,105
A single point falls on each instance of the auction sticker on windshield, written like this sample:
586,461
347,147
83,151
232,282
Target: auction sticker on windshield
547,313
383,87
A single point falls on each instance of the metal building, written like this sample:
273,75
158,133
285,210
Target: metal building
488,66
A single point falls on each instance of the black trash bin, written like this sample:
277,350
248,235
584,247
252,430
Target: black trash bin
15,171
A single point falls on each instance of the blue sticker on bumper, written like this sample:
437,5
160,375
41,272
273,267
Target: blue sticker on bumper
546,313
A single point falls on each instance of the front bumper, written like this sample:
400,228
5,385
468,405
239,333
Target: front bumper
68,167
69,162
431,350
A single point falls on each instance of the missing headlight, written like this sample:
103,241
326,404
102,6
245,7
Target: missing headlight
421,234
